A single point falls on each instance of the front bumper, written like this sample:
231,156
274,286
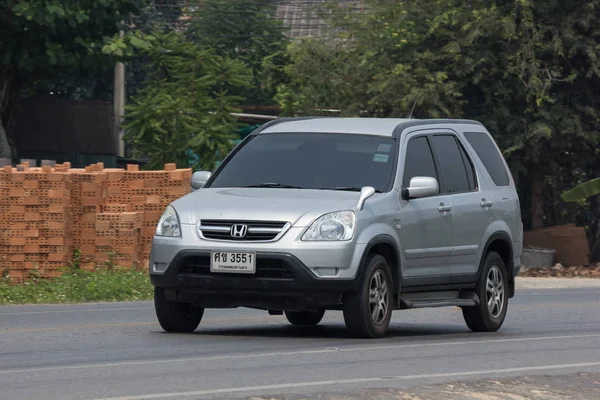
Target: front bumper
331,260
281,282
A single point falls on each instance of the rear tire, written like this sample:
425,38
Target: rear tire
492,290
174,316
367,313
305,318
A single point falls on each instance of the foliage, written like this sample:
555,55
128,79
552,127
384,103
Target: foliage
43,40
582,191
185,103
103,284
247,31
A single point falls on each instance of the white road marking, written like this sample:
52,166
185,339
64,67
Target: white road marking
75,310
551,292
297,353
352,381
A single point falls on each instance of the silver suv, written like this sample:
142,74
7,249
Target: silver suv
362,215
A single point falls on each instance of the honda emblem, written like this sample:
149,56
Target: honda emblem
239,231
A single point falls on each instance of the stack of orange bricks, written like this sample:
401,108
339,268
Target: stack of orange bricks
108,215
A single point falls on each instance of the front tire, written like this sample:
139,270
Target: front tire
305,318
492,291
174,316
367,313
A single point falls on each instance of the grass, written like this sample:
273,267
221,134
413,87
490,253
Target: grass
109,283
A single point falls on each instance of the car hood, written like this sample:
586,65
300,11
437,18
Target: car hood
274,204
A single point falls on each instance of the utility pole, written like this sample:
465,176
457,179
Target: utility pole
119,105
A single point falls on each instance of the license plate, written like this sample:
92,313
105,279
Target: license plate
233,262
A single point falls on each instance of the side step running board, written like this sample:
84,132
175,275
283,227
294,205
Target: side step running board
464,299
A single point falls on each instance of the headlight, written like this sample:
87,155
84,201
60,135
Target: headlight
333,226
168,225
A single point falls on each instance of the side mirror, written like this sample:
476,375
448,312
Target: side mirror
199,178
421,186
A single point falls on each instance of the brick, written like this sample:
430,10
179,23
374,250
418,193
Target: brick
56,257
16,210
31,265
103,225
114,190
17,241
56,177
87,249
57,209
138,199
152,184
19,257
57,241
137,184
170,167
31,184
32,216
91,201
31,233
176,175
31,248
103,241
16,192
116,175
133,167
153,199
18,226
56,225
31,200
101,257
17,176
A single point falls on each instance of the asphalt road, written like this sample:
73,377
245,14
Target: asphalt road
118,351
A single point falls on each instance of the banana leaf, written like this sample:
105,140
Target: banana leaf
582,191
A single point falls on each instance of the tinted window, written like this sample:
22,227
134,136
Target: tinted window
471,175
489,156
419,160
312,161
451,164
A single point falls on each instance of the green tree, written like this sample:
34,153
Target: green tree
184,105
248,31
45,40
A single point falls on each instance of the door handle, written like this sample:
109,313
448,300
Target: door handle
444,208
486,203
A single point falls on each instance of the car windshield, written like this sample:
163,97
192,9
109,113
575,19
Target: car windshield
311,161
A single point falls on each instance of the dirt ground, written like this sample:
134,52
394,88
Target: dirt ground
556,387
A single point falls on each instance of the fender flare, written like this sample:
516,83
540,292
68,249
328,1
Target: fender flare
382,239
504,237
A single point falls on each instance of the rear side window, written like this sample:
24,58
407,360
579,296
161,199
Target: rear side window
489,156
418,161
456,179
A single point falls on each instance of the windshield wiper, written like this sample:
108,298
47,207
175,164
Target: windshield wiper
348,189
273,185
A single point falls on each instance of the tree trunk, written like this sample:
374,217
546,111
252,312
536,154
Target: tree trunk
5,150
537,197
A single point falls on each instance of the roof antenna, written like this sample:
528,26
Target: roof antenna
413,110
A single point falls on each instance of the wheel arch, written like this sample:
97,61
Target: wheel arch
500,242
386,246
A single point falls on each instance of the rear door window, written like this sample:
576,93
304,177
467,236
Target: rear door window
455,177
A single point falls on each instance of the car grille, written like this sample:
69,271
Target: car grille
255,231
265,268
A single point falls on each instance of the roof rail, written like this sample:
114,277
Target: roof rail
277,121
